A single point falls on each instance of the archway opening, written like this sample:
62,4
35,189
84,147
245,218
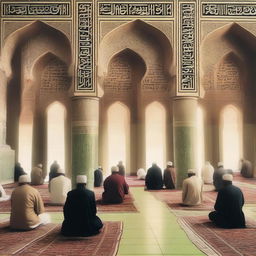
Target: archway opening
118,117
231,137
25,140
56,115
155,126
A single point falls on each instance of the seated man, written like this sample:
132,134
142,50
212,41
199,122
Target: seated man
207,173
115,188
26,206
192,189
141,174
80,211
170,176
18,171
228,206
3,196
53,170
98,177
121,169
59,187
154,179
246,168
217,176
37,175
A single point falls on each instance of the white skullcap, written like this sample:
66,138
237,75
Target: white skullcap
220,164
169,163
154,163
40,165
190,171
24,178
228,177
99,167
81,179
59,170
114,169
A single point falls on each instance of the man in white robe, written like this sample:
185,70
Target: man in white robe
141,174
59,187
192,189
207,173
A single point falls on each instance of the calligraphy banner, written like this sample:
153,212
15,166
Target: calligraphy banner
228,9
141,9
46,9
187,41
85,47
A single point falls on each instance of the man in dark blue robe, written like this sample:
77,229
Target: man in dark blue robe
80,211
98,177
154,178
228,207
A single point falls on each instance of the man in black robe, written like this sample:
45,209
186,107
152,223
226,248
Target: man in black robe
53,170
121,169
98,177
228,207
217,176
246,168
80,211
18,171
154,178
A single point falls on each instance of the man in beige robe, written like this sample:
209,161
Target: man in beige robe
26,206
37,175
192,189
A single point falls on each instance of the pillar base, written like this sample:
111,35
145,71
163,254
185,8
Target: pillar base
7,162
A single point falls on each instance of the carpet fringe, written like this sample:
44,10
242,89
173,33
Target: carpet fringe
197,240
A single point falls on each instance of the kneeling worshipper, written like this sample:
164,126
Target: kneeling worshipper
154,178
3,195
98,177
18,171
141,174
246,168
80,211
192,189
59,187
217,176
121,168
37,175
170,176
115,188
27,207
228,206
53,170
207,173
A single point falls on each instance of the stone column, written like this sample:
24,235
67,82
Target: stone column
85,125
184,132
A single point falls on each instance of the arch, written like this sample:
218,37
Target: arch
144,39
32,30
231,136
155,125
118,119
56,118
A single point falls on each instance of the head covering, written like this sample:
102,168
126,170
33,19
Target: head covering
220,164
114,169
191,171
228,177
99,167
59,170
120,162
40,165
81,179
169,163
24,178
154,163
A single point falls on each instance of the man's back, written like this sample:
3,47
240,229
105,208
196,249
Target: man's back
59,187
207,173
37,176
115,187
98,178
192,191
26,205
154,179
169,177
246,169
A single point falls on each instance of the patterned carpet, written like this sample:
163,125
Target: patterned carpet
132,181
126,206
46,240
217,241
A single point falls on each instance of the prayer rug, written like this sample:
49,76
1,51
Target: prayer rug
47,240
126,206
132,181
218,241
173,199
240,178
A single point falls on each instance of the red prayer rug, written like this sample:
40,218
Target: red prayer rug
218,241
132,181
47,240
238,177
